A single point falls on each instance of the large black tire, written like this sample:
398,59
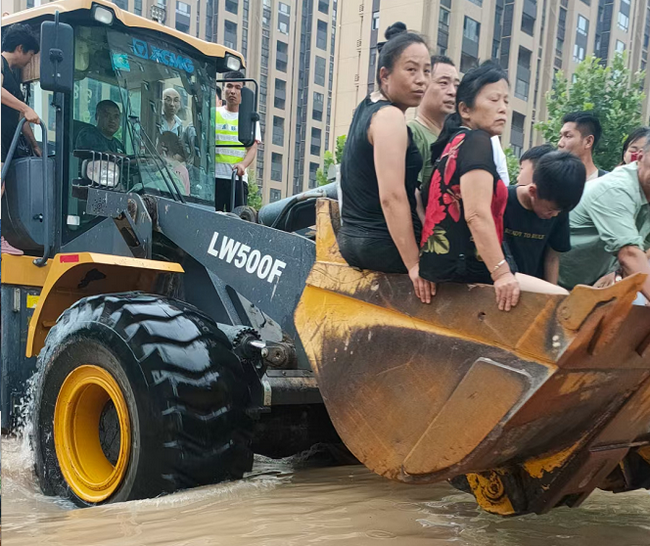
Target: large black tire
186,393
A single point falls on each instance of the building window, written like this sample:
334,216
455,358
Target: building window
278,131
624,15
477,2
375,21
578,53
321,35
522,85
232,6
561,30
274,195
620,46
324,6
317,111
517,133
319,71
280,94
623,21
313,167
183,14
230,35
283,18
137,7
315,141
469,54
443,30
445,16
471,29
281,56
276,167
527,24
124,4
583,25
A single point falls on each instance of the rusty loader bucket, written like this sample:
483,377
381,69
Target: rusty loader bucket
530,409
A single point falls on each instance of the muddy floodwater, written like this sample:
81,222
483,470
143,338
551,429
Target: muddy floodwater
293,503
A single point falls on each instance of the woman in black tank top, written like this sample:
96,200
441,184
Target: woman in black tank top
380,222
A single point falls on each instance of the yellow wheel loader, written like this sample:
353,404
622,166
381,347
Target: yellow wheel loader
155,343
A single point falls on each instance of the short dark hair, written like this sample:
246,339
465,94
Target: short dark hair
234,75
560,178
587,123
20,35
441,59
535,153
102,105
398,39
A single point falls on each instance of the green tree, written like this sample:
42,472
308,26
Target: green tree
254,195
321,173
613,93
513,165
329,160
340,144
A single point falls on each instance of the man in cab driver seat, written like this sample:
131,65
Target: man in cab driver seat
102,137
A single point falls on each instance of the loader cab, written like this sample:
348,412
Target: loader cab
134,67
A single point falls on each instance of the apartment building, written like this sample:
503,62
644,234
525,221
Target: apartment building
289,46
530,38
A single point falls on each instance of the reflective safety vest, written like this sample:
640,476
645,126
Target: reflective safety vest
227,132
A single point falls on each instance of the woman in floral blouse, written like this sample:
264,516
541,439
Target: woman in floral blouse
465,199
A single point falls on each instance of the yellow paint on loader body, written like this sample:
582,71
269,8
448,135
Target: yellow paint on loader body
67,278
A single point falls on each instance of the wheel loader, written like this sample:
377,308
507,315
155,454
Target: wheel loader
153,343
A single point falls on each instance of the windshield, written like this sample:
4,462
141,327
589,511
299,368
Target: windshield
149,100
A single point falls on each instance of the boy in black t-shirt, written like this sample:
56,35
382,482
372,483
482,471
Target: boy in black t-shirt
536,221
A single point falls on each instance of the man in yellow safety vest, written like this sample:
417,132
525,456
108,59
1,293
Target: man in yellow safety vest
229,159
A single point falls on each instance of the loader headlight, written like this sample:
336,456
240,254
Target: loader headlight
104,173
233,63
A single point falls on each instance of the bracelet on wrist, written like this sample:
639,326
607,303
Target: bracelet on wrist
496,267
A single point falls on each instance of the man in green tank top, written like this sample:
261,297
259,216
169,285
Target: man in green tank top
229,159
438,102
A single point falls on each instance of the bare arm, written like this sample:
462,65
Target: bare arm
552,266
476,190
12,102
634,260
389,137
248,159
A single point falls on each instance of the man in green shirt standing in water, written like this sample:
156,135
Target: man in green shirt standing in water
438,102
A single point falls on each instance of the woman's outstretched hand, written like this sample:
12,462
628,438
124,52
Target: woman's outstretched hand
507,291
424,289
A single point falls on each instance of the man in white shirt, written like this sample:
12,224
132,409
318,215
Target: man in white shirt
232,159
171,105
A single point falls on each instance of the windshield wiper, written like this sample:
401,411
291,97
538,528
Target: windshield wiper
151,150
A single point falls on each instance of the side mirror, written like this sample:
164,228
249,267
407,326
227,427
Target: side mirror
57,56
248,117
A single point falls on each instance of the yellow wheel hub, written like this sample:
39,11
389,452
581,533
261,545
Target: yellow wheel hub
79,407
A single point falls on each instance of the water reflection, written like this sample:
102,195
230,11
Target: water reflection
284,503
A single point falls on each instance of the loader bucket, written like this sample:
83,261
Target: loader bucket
529,409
